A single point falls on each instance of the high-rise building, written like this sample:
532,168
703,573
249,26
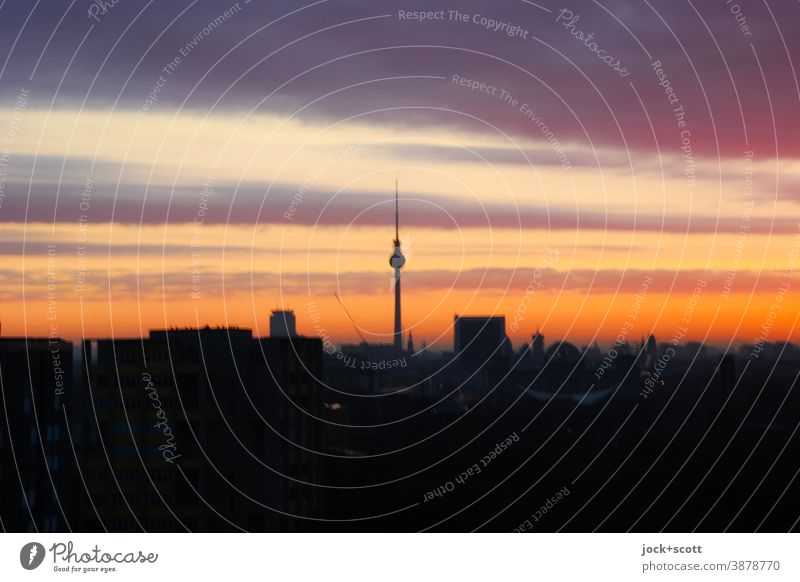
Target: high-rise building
480,339
202,429
36,485
282,323
396,261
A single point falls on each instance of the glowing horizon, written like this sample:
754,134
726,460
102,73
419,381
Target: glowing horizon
225,194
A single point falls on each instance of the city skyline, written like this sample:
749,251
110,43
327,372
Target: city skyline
350,330
357,267
186,194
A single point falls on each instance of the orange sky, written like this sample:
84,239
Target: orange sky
140,276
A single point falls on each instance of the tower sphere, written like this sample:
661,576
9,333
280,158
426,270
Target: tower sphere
397,260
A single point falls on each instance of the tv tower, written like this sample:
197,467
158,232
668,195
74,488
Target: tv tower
397,260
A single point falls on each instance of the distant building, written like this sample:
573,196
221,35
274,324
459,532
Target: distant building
561,370
282,323
537,349
477,340
650,352
692,351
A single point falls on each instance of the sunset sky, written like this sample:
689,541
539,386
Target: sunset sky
174,164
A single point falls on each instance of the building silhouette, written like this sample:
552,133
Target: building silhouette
197,429
480,339
211,429
282,323
36,480
537,349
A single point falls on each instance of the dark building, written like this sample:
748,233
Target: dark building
650,350
214,430
537,349
282,323
202,430
478,340
35,458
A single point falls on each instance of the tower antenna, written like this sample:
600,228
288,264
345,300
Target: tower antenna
396,210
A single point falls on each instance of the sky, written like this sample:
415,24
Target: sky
595,170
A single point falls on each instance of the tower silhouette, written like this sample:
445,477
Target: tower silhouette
396,261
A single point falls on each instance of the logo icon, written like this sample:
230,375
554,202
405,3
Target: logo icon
31,555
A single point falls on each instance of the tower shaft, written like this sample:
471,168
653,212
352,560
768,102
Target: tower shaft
396,261
398,326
